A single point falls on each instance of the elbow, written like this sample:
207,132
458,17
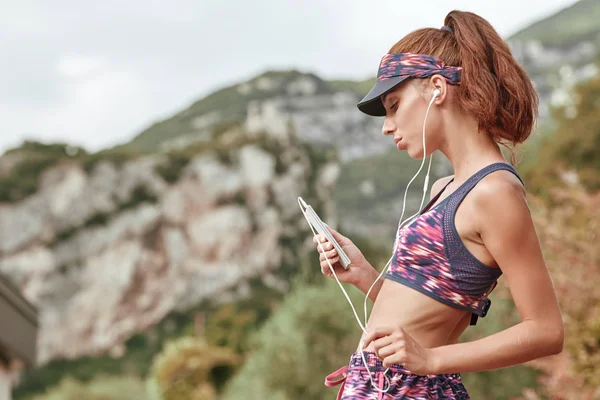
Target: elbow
556,340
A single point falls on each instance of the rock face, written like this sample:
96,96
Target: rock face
321,119
296,104
109,253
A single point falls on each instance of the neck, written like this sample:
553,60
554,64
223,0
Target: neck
468,149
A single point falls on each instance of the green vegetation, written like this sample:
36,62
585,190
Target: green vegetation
572,146
567,27
32,158
230,105
171,171
140,350
185,369
359,87
309,336
227,325
139,194
228,102
22,179
100,388
116,157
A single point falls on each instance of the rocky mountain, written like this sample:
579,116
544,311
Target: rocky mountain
321,112
109,251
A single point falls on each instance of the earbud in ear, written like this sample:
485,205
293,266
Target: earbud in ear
436,93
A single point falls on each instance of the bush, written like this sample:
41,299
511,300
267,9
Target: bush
139,194
171,170
309,336
22,181
100,388
573,146
185,367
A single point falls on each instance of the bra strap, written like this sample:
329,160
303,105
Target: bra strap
436,197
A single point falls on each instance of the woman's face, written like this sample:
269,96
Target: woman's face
405,112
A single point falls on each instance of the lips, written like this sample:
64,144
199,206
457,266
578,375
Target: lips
400,144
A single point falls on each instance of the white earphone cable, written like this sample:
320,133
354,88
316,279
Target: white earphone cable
363,327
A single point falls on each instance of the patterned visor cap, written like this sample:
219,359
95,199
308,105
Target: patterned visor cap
395,68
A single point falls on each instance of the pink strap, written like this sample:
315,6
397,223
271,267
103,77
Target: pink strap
380,391
329,381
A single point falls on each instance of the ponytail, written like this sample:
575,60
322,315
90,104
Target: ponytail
494,87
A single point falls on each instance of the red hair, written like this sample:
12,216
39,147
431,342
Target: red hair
494,87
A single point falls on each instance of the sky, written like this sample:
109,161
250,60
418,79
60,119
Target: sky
97,73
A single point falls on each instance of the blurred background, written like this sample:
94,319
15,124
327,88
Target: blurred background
151,243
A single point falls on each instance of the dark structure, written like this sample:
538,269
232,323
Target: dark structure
18,326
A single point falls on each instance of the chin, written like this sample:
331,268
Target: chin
415,154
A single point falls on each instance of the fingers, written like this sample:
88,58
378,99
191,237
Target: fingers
327,247
382,342
325,266
328,255
388,344
397,358
388,350
322,240
375,334
326,252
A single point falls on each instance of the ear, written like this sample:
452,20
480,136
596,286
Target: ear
438,82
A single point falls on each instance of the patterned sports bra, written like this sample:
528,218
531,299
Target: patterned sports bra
429,255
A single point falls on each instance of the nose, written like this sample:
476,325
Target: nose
389,127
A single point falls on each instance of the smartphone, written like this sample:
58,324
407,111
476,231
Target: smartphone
314,220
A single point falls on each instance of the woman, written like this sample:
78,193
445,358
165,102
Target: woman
463,81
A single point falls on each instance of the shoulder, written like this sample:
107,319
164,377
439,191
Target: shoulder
439,184
497,185
500,198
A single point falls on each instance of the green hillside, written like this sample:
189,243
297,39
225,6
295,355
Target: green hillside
569,26
231,103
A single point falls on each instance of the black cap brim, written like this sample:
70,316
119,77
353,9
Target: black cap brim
371,104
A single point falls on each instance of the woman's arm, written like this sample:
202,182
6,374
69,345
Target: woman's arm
507,230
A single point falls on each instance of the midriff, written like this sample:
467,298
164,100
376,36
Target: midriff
425,319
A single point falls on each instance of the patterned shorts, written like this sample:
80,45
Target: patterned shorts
356,384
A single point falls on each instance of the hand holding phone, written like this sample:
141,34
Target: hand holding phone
316,222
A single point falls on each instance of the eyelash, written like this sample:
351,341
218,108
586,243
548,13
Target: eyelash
394,106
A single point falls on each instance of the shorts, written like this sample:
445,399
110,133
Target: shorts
356,384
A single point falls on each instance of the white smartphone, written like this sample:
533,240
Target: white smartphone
314,220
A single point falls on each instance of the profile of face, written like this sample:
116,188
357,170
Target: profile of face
405,109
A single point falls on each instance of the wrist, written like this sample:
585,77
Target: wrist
435,360
365,278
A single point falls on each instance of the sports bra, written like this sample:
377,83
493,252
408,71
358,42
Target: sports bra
429,255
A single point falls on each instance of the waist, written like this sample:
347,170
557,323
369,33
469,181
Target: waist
428,321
